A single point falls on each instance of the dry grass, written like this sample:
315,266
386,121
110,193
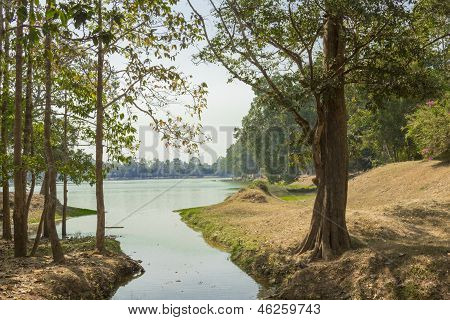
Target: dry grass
398,217
36,205
84,275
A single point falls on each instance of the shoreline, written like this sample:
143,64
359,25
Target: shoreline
84,275
257,263
398,237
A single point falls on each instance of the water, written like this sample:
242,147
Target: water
179,264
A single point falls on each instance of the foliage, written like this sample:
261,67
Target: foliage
376,132
269,142
176,168
429,128
260,185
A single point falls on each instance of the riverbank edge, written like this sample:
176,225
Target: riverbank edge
268,268
399,249
84,275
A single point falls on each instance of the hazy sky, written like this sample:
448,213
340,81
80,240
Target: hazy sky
227,102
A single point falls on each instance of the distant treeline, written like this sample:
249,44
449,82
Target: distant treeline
175,168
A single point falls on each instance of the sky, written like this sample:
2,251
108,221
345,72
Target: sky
228,103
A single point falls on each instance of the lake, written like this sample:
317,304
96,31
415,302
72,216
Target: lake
179,264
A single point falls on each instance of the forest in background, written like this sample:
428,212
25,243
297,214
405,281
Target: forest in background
175,168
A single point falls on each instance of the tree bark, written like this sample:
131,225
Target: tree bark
328,235
64,209
20,223
30,193
44,191
100,234
57,252
7,235
28,128
42,220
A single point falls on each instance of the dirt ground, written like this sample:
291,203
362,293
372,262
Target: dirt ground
398,218
36,206
84,275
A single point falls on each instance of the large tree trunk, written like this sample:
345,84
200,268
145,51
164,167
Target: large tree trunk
328,235
28,128
20,223
100,235
58,255
7,235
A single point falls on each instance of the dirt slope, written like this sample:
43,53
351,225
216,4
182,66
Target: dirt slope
398,217
389,184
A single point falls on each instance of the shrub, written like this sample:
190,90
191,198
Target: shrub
429,128
259,184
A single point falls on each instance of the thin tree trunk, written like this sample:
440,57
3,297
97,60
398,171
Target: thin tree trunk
41,221
2,36
100,235
30,194
7,235
44,191
64,209
20,224
57,252
38,234
328,235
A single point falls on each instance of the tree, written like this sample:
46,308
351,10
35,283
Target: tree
134,31
272,135
429,128
58,255
100,235
322,46
65,152
28,149
20,222
5,14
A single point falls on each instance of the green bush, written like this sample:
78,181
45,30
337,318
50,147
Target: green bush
259,184
429,128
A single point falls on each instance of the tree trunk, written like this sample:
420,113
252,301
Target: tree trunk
7,235
64,209
328,235
41,221
100,235
20,224
28,128
30,194
58,255
44,191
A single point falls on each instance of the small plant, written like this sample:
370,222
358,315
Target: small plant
429,128
259,184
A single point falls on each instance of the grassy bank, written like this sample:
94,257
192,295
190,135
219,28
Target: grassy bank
37,206
84,275
398,217
72,212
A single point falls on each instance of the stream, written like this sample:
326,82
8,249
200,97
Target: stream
178,263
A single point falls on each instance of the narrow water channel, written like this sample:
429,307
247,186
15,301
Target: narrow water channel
179,264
